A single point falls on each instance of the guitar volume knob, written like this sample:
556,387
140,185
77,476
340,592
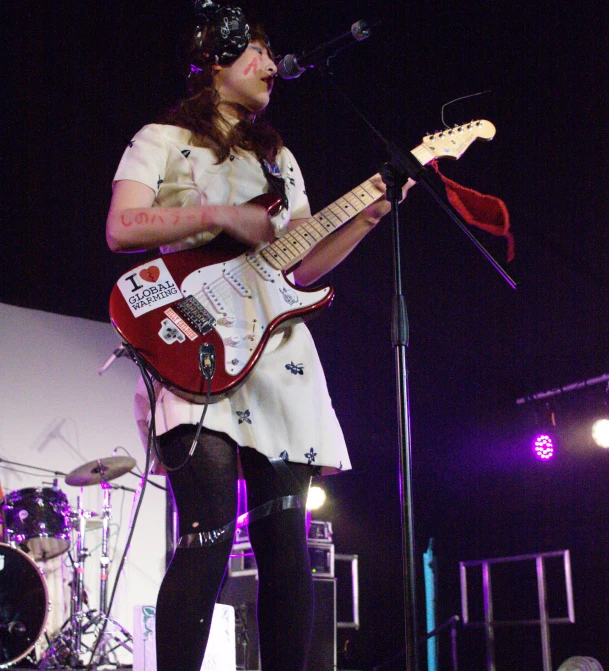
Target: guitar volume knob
233,340
228,320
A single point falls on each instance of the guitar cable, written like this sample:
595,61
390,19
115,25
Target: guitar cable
207,366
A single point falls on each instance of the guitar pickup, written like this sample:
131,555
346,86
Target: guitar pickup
255,260
234,279
194,314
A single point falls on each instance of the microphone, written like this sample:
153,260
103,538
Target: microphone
292,66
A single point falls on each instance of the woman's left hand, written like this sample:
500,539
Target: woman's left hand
375,212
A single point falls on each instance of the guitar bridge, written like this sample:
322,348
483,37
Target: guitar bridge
195,315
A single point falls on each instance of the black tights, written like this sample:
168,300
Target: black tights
205,492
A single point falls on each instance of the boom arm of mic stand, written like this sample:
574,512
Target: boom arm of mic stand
405,163
35,468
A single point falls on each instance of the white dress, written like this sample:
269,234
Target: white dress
283,409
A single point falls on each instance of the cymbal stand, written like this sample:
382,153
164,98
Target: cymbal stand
104,561
68,646
117,636
78,582
64,648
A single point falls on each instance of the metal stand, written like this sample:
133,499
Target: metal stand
404,165
544,621
68,647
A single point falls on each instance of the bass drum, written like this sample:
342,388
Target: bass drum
24,605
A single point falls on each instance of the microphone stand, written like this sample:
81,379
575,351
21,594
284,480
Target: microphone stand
401,166
34,468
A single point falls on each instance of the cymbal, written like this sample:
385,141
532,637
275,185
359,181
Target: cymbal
100,470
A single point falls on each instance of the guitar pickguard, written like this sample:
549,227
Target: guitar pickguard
245,300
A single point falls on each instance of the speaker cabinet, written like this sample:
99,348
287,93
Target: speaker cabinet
240,591
322,655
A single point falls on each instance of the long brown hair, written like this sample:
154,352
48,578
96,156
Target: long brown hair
198,111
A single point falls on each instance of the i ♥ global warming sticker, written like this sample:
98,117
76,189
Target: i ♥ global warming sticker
148,287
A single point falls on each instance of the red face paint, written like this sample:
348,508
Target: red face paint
254,64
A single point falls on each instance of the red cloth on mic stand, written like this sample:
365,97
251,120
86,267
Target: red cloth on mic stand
486,212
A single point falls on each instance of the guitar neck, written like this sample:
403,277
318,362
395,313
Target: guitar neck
297,243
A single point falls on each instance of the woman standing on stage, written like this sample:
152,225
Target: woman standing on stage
180,183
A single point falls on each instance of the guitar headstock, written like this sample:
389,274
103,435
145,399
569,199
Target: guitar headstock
453,142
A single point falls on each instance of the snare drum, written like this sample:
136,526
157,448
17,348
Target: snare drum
40,519
24,605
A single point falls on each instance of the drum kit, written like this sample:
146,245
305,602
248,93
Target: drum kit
39,524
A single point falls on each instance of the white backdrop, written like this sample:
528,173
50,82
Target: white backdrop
56,412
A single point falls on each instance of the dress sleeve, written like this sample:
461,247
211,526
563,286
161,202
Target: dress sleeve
145,158
297,193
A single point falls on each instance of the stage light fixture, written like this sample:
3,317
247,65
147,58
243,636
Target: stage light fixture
316,498
543,446
600,432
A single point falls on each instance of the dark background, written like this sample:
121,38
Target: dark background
84,77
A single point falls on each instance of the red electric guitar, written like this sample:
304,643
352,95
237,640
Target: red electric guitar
234,299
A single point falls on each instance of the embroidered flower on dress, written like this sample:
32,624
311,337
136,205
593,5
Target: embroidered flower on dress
186,153
159,182
285,456
310,455
295,368
244,416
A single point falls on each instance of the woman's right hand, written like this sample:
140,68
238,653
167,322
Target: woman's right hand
249,224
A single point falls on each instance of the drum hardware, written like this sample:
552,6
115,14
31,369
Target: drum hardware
67,648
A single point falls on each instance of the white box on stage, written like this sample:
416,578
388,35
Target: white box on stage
221,652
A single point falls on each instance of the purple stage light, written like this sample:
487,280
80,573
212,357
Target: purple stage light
543,446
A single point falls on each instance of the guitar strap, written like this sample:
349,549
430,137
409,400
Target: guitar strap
275,180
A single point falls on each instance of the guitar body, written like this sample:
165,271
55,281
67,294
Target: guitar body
218,294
